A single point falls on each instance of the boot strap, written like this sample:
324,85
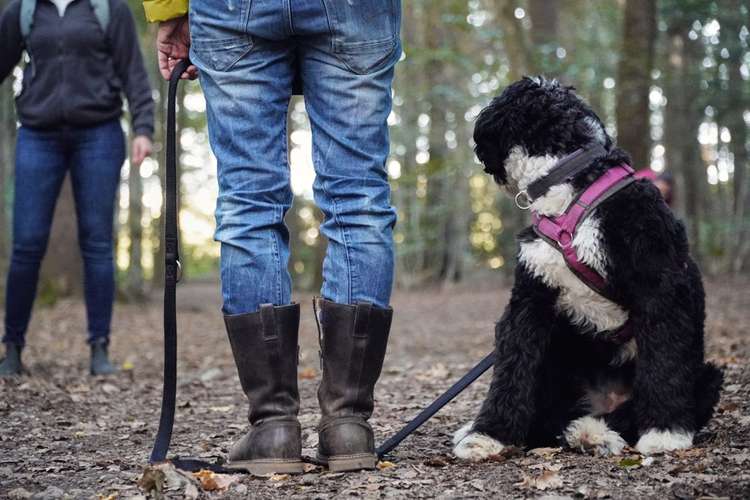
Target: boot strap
269,325
362,320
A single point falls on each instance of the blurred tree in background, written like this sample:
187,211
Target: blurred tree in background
670,78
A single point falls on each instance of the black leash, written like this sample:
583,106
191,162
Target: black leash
171,277
172,272
436,405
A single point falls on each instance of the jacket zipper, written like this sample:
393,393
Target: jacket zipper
61,65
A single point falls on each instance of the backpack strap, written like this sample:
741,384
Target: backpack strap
101,11
26,18
28,7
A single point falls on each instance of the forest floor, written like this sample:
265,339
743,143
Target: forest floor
66,435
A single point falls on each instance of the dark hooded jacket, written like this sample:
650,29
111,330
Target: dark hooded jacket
77,74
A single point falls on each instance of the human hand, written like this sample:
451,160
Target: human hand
172,44
141,148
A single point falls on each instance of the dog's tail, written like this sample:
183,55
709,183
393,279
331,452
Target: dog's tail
707,389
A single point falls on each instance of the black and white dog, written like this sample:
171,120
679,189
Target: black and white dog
560,377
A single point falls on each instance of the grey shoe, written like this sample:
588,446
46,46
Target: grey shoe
100,364
264,345
11,365
353,342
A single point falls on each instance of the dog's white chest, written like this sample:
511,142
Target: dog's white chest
584,306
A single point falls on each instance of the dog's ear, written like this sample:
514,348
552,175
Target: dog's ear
589,128
491,133
511,119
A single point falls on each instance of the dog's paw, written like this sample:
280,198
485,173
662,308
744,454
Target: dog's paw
655,441
461,433
474,446
592,435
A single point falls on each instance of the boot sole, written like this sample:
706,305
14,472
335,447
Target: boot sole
268,467
350,463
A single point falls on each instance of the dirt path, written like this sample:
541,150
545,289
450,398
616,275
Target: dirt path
64,434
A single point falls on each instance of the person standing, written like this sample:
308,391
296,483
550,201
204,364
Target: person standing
83,54
247,54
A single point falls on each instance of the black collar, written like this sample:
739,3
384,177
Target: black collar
564,170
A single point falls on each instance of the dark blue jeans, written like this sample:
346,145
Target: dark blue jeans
94,157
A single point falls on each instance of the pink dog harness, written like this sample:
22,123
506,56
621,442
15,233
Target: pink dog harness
560,231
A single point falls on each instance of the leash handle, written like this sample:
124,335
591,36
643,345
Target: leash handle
436,405
171,276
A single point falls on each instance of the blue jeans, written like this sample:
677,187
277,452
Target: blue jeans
94,156
246,52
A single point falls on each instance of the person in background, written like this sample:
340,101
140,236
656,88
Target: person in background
664,182
83,55
248,54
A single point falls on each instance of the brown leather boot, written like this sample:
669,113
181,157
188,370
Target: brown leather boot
265,351
353,340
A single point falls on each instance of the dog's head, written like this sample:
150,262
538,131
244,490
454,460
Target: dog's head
533,118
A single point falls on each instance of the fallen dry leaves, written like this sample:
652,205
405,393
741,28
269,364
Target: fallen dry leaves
548,480
160,479
308,373
63,434
385,464
545,452
211,481
436,372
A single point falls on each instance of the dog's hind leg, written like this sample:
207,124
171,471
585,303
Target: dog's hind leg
623,419
522,339
707,389
667,370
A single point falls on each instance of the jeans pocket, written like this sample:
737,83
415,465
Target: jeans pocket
218,38
365,32
220,55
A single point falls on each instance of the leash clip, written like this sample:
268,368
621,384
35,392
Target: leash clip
178,274
526,196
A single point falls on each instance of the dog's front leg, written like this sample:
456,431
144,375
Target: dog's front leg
521,340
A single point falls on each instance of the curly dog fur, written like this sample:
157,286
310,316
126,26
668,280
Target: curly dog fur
558,378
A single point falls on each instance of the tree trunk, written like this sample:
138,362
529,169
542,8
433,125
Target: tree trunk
410,260
634,80
157,279
135,287
682,118
521,63
7,149
736,103
515,41
545,16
